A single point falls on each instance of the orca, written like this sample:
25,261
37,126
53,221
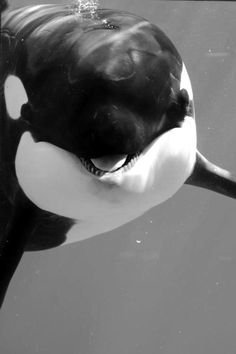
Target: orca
97,126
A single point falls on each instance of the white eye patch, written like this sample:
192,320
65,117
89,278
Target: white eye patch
15,96
185,82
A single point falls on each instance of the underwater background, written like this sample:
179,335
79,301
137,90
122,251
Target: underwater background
166,282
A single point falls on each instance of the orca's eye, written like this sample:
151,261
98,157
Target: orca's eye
15,96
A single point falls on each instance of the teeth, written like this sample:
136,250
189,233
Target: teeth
117,162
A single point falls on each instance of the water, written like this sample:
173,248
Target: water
164,283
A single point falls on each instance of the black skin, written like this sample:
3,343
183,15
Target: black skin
76,97
88,103
210,176
3,5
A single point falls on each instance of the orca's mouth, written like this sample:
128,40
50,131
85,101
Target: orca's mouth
109,163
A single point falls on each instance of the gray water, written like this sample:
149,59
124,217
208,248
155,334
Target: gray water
165,283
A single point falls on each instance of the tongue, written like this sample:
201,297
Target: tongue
109,162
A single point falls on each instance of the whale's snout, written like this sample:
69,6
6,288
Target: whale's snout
110,128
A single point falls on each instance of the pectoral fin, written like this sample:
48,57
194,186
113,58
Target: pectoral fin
14,239
209,176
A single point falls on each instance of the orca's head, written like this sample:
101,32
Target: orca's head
110,90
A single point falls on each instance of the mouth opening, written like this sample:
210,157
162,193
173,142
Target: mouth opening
109,164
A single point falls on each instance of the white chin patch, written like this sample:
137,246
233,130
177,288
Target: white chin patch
56,181
15,96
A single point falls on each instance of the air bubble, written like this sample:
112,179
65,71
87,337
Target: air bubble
88,6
